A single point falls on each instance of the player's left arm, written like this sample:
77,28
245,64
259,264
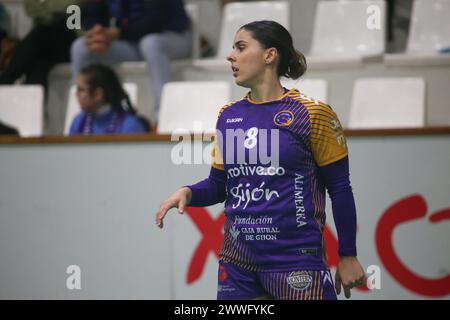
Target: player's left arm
329,148
336,177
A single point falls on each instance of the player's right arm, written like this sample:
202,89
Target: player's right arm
212,190
205,193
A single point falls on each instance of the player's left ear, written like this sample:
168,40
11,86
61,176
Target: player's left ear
270,55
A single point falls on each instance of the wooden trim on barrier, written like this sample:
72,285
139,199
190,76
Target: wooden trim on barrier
8,140
397,132
85,139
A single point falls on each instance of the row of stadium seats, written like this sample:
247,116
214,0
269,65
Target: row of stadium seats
336,45
336,41
347,32
403,104
342,28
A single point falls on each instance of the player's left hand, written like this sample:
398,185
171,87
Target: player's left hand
349,274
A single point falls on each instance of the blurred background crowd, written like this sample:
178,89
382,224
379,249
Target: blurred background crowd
152,43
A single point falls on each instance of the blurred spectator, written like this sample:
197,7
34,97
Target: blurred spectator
152,30
47,44
5,19
106,107
399,16
7,44
7,130
206,49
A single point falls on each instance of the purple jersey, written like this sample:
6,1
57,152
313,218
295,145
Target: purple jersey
276,210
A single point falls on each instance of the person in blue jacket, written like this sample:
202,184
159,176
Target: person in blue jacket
155,31
106,107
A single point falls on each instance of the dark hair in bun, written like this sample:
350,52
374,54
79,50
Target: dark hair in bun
271,34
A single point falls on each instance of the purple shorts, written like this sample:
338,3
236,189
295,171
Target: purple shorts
236,283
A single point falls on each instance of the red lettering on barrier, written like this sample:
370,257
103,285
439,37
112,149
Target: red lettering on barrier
212,237
406,210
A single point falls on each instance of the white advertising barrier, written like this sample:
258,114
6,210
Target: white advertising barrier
77,221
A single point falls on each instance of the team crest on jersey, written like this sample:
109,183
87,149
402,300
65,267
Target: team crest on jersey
283,118
299,280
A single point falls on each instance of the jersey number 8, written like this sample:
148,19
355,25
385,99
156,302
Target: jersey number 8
251,138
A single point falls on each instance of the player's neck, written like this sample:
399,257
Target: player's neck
267,91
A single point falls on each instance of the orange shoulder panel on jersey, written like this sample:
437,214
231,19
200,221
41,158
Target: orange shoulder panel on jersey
217,159
327,140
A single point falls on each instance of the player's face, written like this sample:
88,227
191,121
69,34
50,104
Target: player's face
247,59
89,101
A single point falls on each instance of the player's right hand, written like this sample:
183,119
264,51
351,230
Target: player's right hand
179,199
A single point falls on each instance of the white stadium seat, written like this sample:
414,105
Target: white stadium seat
235,15
20,22
345,29
73,107
192,106
22,107
388,103
429,32
193,11
430,26
314,88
